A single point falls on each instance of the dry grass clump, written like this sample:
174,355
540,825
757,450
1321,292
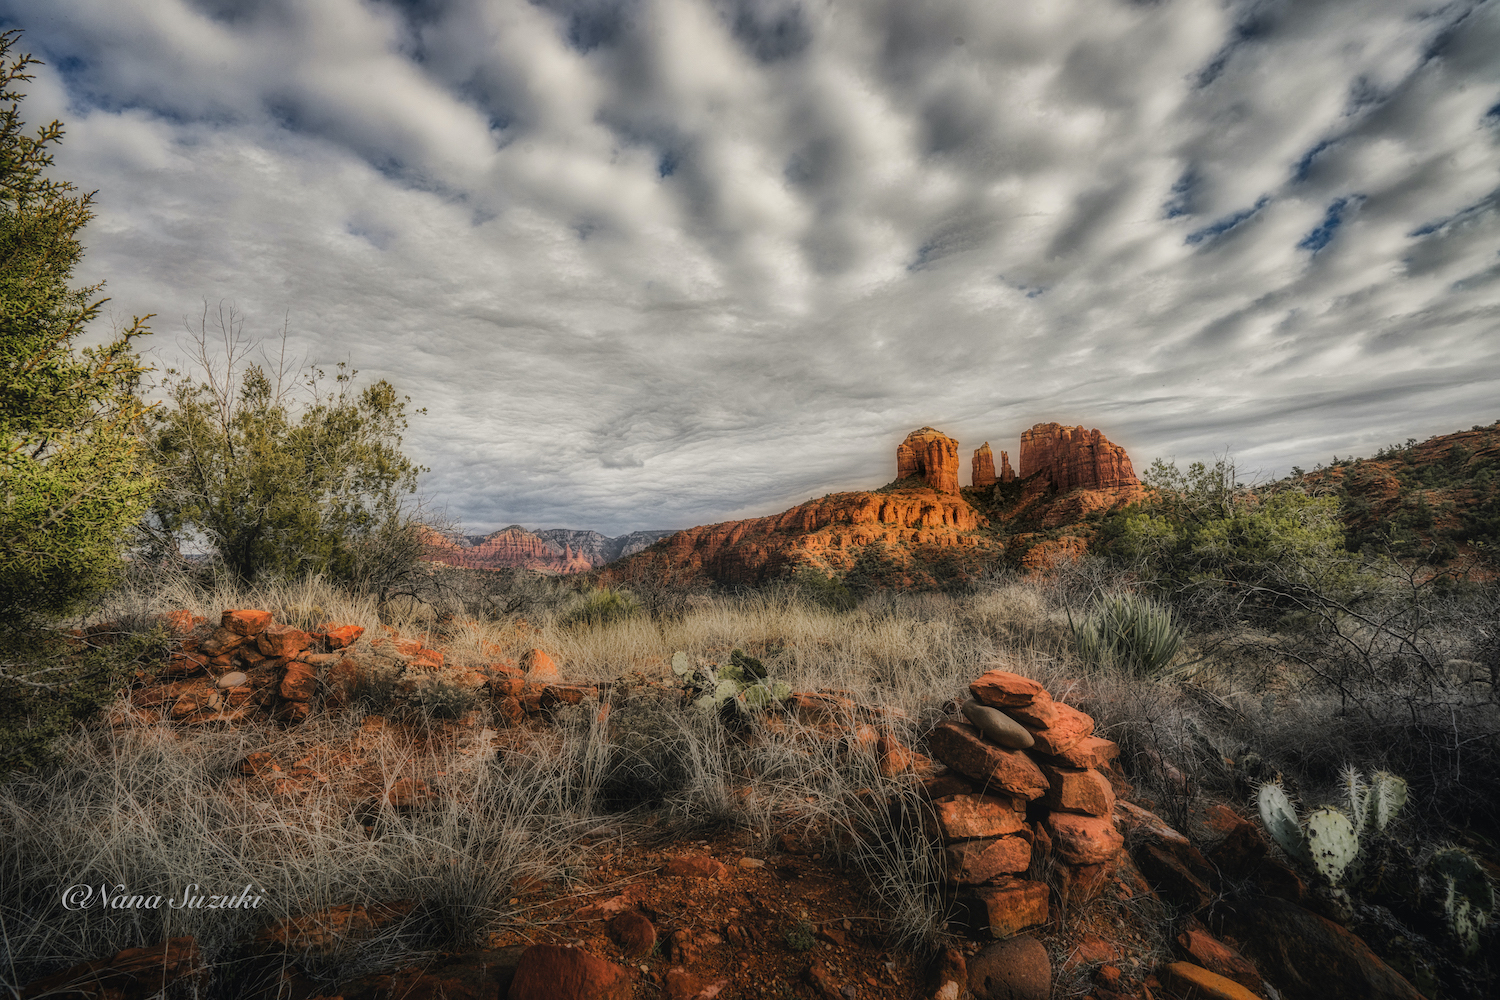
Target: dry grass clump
140,806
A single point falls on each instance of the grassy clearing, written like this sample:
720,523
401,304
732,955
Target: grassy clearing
141,805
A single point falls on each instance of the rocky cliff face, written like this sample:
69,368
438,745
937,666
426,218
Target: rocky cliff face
828,534
1074,458
982,468
931,456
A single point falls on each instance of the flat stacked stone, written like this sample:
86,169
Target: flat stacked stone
1026,782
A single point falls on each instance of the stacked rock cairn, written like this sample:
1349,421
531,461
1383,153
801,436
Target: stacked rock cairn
1026,780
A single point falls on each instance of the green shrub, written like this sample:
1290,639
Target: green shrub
827,591
604,606
799,936
439,697
1130,632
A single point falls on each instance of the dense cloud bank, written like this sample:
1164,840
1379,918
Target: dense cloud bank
660,262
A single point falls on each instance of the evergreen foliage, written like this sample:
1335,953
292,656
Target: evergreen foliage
73,477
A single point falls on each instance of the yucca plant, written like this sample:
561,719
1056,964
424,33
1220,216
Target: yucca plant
1131,632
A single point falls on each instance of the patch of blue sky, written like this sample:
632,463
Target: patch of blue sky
1229,222
1305,165
1181,200
1333,218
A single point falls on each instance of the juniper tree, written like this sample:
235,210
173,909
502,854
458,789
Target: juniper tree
73,475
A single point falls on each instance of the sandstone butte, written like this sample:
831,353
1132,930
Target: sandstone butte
1074,458
931,456
513,546
1067,473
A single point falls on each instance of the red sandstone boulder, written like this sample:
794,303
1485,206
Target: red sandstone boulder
931,456
982,467
993,769
1018,969
1008,907
1079,791
634,933
342,636
1070,729
538,666
246,622
973,862
300,682
1308,957
1091,751
1074,458
968,817
282,640
1197,944
1194,980
1083,840
1003,689
555,972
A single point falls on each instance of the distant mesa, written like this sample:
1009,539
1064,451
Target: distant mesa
931,456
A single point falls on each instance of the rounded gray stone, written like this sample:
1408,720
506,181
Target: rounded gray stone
234,680
997,727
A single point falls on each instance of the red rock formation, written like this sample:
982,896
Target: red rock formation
1074,458
828,534
1007,474
513,546
982,470
931,456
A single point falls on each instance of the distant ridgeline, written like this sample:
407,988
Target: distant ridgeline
1434,501
550,550
1431,501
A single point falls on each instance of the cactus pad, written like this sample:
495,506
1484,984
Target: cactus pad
1332,841
1357,794
1459,866
1280,818
1387,796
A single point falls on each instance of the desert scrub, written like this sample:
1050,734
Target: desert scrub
441,696
1131,632
601,607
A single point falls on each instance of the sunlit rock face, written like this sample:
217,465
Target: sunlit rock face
1074,458
931,456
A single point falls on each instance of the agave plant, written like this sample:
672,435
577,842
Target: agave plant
1131,632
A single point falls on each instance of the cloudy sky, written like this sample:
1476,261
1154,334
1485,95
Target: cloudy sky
655,263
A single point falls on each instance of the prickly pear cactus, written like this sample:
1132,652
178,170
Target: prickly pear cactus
1470,898
1357,794
1387,796
1332,841
1280,818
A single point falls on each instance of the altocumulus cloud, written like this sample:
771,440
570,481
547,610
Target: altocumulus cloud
657,262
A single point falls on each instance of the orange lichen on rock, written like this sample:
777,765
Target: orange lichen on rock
931,456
